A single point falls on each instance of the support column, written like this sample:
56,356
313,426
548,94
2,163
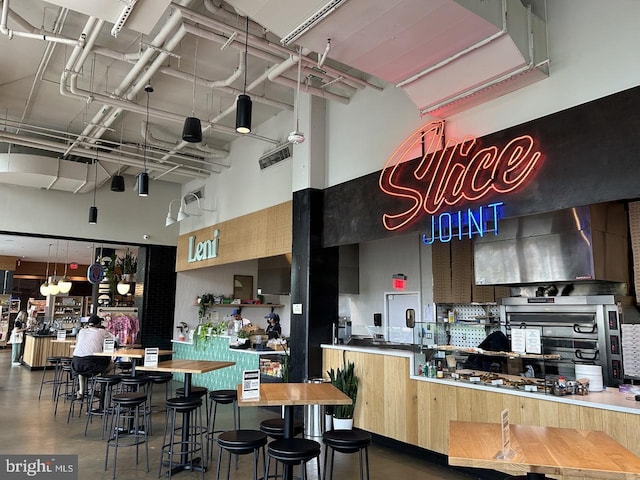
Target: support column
314,286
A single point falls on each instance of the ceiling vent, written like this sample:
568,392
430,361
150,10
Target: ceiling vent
274,156
191,196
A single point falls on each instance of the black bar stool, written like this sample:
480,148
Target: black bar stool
274,427
346,441
241,442
160,378
101,396
185,446
293,451
222,397
55,363
125,428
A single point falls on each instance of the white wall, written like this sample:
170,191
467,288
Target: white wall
219,280
379,261
592,46
122,217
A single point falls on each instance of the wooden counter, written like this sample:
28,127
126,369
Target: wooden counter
392,404
37,349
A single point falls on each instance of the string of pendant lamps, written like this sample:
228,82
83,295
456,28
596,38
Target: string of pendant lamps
93,210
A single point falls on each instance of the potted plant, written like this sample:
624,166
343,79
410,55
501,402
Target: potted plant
205,302
128,265
346,381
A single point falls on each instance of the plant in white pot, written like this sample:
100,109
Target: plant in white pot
346,381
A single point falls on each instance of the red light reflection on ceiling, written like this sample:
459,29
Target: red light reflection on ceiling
460,171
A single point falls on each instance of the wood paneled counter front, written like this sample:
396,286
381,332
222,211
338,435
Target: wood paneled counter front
417,410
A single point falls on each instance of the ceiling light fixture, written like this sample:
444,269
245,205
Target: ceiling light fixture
44,288
243,104
64,284
182,212
143,177
192,130
297,137
93,210
53,284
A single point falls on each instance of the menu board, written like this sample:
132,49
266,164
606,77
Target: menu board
151,357
250,384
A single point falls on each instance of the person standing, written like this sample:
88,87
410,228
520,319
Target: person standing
274,330
16,342
89,341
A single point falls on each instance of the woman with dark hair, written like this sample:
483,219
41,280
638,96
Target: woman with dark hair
273,329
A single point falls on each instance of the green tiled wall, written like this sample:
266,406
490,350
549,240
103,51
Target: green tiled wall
216,348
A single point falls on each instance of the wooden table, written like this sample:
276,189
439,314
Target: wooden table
542,450
133,353
188,367
291,395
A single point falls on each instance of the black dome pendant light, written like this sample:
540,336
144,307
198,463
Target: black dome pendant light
244,104
192,129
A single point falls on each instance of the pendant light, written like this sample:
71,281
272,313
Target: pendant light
297,137
143,177
243,104
93,210
44,288
123,287
64,284
53,283
117,181
192,130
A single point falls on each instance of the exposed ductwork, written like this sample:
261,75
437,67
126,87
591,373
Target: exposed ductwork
447,55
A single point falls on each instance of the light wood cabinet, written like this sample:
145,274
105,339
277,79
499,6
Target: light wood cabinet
453,277
416,412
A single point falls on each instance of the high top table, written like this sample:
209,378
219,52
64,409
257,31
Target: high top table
133,353
291,395
188,367
541,450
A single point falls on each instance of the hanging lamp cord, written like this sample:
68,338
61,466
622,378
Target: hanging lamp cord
95,179
195,66
146,129
246,49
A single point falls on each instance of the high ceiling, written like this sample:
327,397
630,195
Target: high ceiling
76,82
72,86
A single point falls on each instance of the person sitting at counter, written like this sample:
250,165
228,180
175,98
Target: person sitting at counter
274,330
89,341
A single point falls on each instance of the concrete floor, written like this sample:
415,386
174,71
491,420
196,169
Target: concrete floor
28,426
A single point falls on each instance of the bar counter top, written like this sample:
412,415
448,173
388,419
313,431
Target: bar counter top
609,399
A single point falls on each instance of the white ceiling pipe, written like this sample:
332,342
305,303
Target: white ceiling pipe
197,156
75,91
270,46
143,79
211,153
66,137
44,62
37,36
47,145
127,81
91,29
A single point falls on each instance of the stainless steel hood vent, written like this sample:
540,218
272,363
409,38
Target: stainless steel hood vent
583,243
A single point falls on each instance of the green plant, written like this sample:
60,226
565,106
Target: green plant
205,302
346,381
203,331
128,263
286,364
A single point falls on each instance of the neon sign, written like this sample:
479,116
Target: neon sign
447,174
464,224
203,250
